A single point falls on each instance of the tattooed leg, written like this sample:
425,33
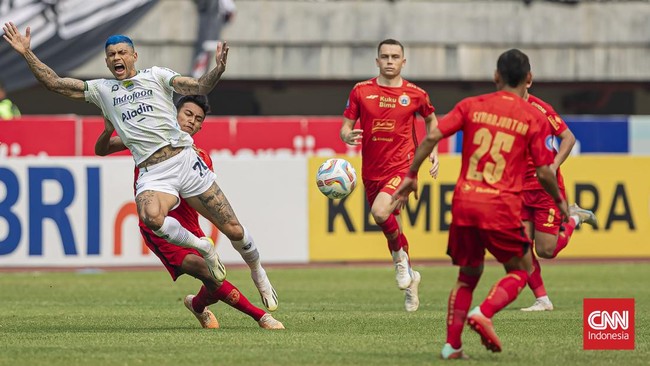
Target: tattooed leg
214,206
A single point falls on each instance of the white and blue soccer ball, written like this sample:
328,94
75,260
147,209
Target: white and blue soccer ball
336,178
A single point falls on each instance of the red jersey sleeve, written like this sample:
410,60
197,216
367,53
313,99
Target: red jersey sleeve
557,123
453,121
426,108
352,106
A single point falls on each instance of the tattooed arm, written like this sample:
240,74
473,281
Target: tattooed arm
68,87
187,85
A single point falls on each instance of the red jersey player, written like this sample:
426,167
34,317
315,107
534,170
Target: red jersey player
541,219
499,130
386,108
178,260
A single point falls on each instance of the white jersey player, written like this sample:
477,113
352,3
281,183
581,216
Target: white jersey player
141,109
139,105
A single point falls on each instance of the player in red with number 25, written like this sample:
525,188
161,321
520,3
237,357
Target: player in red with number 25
499,131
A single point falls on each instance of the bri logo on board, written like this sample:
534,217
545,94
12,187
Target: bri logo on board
608,324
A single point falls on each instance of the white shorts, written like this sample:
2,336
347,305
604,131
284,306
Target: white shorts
185,174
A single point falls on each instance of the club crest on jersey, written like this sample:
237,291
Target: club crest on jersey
128,84
404,100
549,143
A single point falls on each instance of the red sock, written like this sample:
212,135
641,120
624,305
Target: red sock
389,227
203,299
403,243
504,292
231,295
535,280
460,299
565,234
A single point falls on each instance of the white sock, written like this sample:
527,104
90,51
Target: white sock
576,218
248,251
172,231
544,299
400,256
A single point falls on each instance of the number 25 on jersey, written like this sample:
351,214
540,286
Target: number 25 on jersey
493,145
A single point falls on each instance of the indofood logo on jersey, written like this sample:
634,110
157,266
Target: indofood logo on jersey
130,98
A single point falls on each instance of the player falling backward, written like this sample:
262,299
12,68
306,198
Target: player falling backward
179,260
139,103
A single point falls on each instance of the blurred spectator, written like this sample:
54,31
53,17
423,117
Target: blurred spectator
8,110
213,15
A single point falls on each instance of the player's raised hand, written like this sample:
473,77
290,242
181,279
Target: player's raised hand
354,137
404,190
221,56
18,41
435,165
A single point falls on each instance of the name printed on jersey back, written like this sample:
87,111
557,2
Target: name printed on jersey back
506,123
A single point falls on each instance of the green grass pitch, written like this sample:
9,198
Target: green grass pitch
342,315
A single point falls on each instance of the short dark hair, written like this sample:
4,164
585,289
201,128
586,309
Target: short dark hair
200,100
513,66
390,41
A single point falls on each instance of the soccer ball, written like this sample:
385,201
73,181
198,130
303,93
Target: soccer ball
336,178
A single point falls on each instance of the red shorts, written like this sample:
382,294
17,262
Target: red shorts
540,209
170,255
467,244
388,185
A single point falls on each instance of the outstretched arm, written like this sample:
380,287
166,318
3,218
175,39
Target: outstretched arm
72,88
188,85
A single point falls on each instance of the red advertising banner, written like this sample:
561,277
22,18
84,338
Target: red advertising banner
39,135
226,136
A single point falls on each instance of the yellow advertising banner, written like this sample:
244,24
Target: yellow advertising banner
616,188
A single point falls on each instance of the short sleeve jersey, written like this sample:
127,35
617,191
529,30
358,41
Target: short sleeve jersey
499,131
558,126
184,213
387,117
141,109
